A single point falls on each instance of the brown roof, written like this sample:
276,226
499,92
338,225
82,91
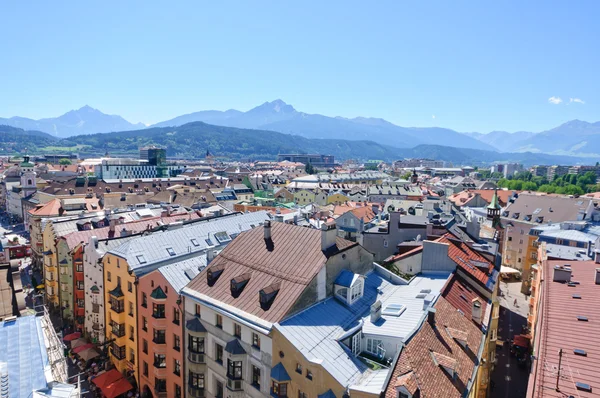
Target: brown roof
460,294
558,327
429,342
463,198
551,207
293,258
53,207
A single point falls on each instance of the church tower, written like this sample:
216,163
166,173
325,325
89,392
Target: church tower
28,186
414,178
493,214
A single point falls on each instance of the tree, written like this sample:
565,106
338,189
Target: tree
64,162
309,168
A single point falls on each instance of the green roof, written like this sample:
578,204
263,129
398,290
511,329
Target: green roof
494,204
27,164
158,294
117,292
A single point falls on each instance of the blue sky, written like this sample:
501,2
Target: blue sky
470,66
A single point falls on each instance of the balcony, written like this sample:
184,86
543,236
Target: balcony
196,392
118,329
117,306
160,391
161,373
234,385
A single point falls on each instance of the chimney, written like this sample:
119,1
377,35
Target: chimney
124,232
94,241
427,301
376,311
328,235
562,274
476,311
112,222
597,256
267,230
431,316
597,273
210,255
394,220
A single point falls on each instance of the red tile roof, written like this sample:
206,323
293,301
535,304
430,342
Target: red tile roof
293,258
558,328
418,356
468,259
463,198
461,295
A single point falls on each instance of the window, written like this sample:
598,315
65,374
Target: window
197,310
493,336
234,369
176,342
170,251
237,330
159,336
144,324
299,368
356,291
559,241
129,287
177,367
80,285
374,346
145,346
160,385
219,321
195,344
108,276
145,369
219,390
403,395
176,315
301,394
141,259
144,300
279,389
520,241
196,380
385,244
256,340
132,356
219,353
256,377
177,390
309,374
130,308
519,260
160,361
534,255
118,278
510,238
158,310
131,332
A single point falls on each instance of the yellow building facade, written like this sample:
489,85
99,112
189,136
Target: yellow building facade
50,266
337,199
120,305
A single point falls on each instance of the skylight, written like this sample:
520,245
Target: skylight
583,386
582,318
577,296
209,242
222,237
393,309
580,352
195,242
141,259
170,251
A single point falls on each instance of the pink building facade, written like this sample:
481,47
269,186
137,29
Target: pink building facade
160,341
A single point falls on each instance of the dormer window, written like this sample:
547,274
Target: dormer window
238,283
268,294
349,286
213,274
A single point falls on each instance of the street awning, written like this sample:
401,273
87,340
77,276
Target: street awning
106,378
521,341
77,350
72,336
88,354
508,270
78,343
117,388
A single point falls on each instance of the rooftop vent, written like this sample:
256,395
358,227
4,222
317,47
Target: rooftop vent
562,274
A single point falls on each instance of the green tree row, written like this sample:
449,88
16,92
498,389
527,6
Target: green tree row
569,184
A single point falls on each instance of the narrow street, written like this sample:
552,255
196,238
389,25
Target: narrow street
510,379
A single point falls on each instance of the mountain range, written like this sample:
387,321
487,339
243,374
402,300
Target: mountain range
574,138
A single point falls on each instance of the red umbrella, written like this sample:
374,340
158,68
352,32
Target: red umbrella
72,336
83,347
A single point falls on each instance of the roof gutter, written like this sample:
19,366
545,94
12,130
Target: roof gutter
476,367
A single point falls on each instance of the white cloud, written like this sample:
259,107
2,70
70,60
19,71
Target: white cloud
577,100
433,116
555,100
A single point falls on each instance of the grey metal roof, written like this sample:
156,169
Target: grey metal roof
158,247
315,331
181,273
234,347
195,325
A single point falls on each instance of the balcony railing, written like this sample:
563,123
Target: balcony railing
117,307
234,385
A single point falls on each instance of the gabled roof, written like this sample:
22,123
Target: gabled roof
293,256
431,349
460,294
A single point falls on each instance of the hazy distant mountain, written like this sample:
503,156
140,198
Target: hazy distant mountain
281,117
503,140
85,120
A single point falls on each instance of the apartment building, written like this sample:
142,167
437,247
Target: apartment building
263,277
126,265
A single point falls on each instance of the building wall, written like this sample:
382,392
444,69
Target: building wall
321,379
115,271
94,325
385,244
37,240
258,357
50,268
65,279
78,288
337,199
304,197
146,284
515,246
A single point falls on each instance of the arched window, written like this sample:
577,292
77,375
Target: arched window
29,182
